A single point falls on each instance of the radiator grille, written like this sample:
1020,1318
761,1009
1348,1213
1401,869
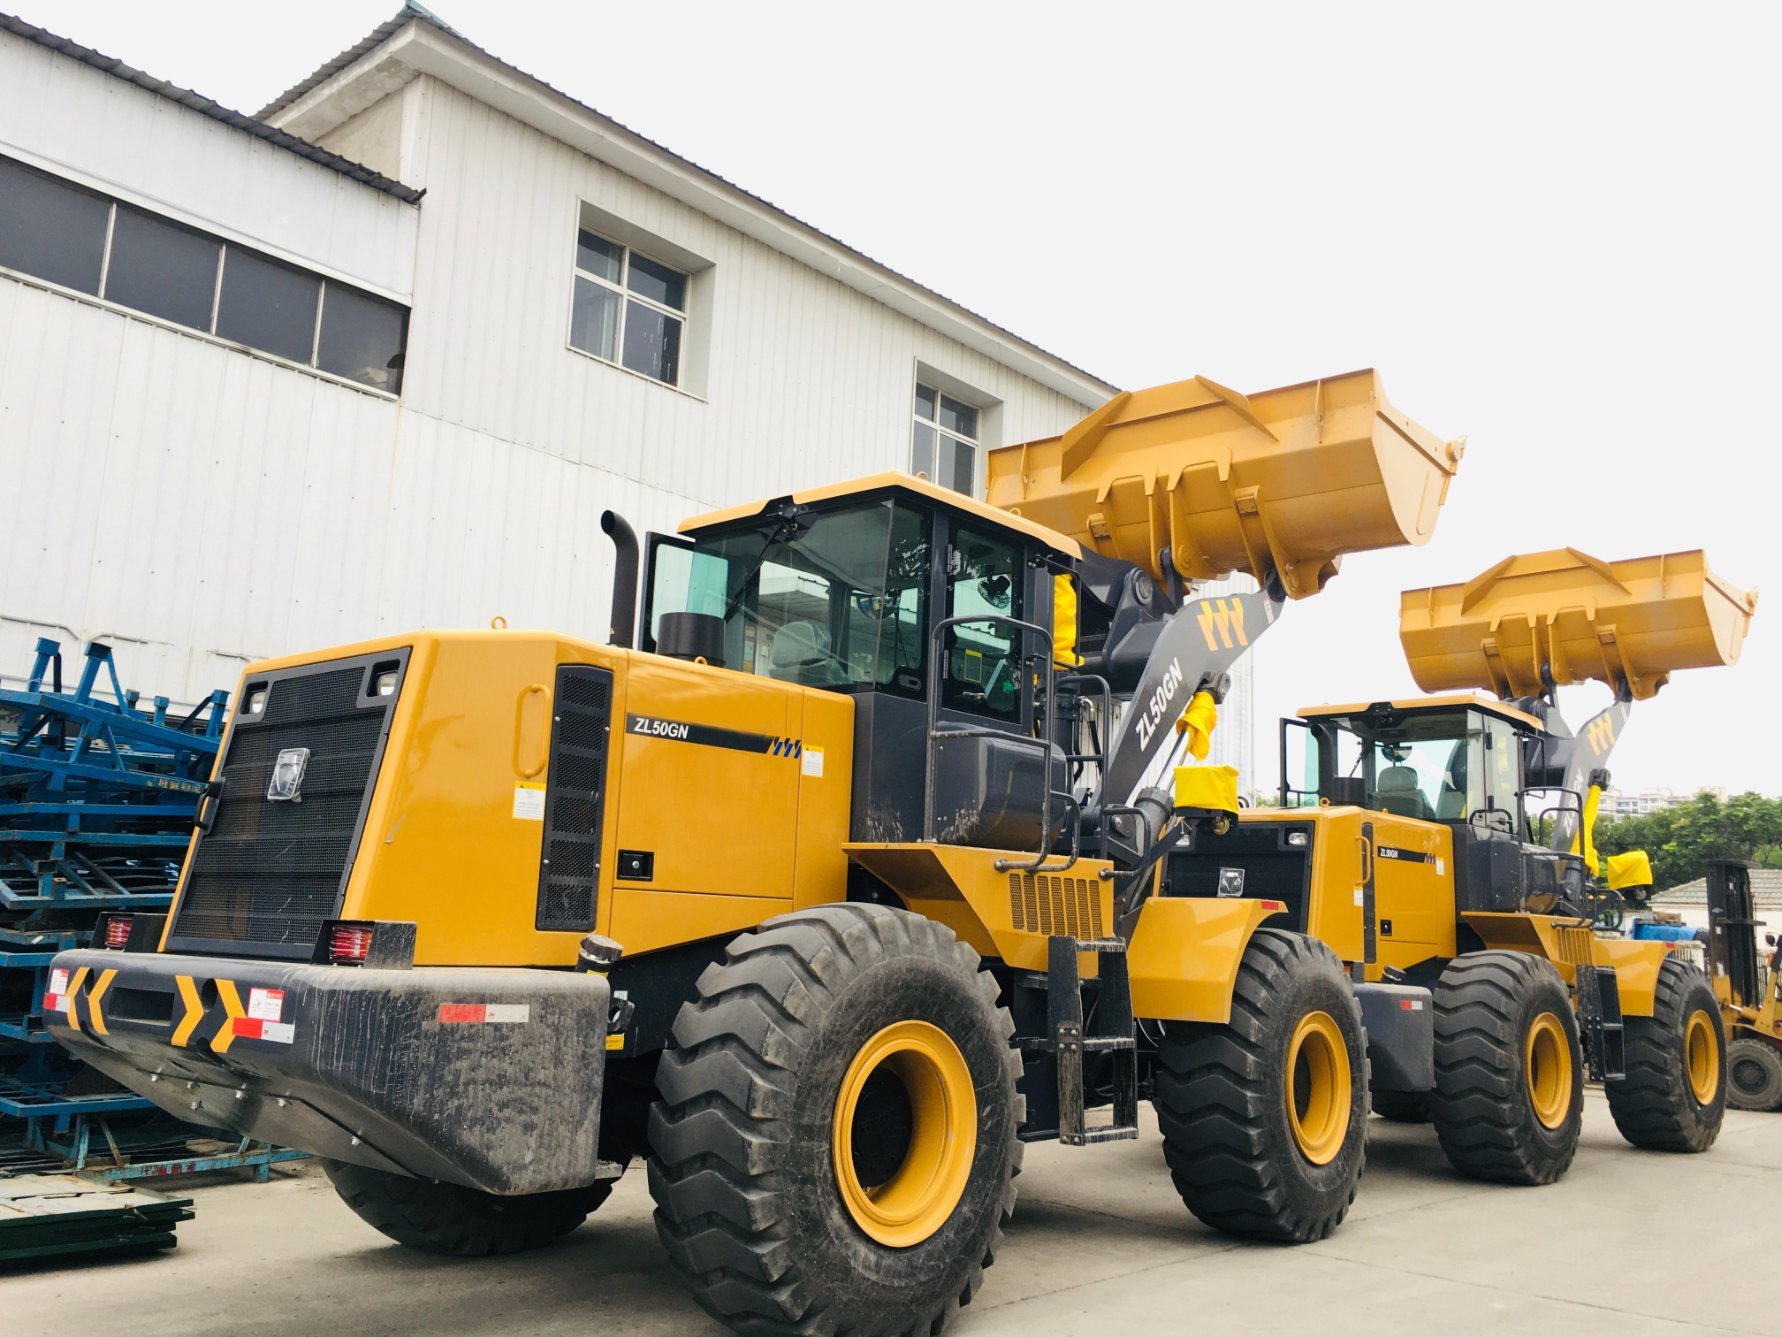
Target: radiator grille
569,873
1047,904
1575,945
268,873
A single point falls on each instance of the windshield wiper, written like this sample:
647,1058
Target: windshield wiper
785,530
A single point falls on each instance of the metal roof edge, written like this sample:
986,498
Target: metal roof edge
204,106
412,13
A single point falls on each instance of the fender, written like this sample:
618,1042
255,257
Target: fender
1184,953
1568,944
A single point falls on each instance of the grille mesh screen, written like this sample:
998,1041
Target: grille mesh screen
570,872
269,872
1044,904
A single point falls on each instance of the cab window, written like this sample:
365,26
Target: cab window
983,659
837,599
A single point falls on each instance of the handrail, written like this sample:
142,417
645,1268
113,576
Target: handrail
1105,694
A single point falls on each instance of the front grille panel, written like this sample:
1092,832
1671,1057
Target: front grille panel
269,873
1047,904
1270,868
575,798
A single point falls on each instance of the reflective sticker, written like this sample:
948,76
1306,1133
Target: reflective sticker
813,762
279,1032
266,1004
460,1014
1360,899
529,802
1410,1005
55,1002
1440,867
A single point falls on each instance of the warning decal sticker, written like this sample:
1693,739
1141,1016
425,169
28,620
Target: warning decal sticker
266,1004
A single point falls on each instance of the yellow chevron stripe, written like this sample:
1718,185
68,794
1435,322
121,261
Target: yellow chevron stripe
188,994
93,1014
80,978
225,1035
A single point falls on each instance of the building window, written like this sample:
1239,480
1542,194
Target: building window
80,239
945,445
628,308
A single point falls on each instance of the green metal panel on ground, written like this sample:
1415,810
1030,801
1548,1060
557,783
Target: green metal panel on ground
50,1216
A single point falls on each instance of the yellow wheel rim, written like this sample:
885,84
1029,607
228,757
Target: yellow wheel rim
1702,1055
1547,1068
1318,1079
905,1133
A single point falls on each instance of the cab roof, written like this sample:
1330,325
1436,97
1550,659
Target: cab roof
1471,700
902,482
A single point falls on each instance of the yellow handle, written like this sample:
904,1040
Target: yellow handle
529,763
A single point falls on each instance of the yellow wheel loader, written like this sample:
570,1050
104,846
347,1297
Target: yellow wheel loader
1441,847
824,896
1749,989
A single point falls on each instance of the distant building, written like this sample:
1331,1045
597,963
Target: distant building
1616,804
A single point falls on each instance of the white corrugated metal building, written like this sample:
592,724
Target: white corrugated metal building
381,355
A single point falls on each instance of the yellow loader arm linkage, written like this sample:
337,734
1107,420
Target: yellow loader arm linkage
1553,618
1280,483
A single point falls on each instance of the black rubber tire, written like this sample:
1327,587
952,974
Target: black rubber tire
462,1222
1484,1117
1402,1106
1220,1093
1753,1074
747,1197
1654,1105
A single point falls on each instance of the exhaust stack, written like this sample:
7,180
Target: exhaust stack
614,526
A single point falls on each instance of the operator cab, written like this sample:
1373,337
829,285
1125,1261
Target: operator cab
1462,761
844,589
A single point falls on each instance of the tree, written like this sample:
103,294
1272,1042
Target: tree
1682,838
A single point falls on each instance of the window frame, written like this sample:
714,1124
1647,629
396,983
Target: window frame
621,288
975,440
226,242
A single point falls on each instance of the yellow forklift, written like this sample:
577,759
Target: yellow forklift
821,885
1748,987
1440,845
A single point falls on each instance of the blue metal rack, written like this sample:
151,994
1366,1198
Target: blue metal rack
97,800
96,794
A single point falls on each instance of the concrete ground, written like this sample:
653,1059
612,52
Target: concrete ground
1628,1243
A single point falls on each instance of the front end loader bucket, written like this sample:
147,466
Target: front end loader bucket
1629,624
1281,483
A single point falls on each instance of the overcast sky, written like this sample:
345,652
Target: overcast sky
1553,228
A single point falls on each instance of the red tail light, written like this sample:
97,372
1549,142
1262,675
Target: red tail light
348,944
115,932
